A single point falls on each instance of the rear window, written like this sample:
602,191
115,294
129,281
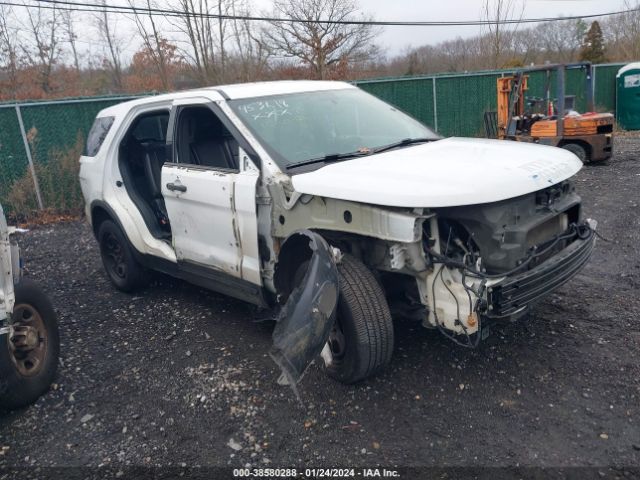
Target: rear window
97,135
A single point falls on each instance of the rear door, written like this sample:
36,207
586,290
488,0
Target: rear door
210,198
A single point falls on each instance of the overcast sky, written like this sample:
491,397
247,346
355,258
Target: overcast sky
394,39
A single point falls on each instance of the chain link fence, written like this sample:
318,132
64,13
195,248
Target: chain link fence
39,160
455,104
40,143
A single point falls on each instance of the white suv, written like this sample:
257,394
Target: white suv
333,208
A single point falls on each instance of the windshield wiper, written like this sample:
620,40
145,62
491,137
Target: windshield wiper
402,143
332,157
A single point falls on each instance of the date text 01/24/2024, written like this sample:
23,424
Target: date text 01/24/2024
315,473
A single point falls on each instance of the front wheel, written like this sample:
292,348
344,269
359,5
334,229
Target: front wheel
29,353
361,341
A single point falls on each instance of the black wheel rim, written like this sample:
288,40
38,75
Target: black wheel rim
28,341
113,256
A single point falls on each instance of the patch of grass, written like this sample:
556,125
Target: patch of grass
59,185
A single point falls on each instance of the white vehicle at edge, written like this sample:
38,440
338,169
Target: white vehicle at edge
29,339
334,209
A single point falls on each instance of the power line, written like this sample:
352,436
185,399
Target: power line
97,8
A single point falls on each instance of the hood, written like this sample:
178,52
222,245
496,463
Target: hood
446,173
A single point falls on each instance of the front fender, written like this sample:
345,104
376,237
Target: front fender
309,308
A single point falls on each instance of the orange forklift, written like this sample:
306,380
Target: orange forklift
589,135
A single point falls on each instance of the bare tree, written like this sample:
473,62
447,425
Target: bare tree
41,48
195,24
459,55
112,58
152,41
9,49
623,33
214,42
68,26
499,37
223,10
559,41
251,49
314,37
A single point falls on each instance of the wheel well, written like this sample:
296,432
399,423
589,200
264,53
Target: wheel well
98,215
295,251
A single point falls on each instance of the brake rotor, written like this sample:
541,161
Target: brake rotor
27,341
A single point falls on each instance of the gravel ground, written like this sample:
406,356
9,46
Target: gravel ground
178,375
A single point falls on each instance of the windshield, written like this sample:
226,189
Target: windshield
298,127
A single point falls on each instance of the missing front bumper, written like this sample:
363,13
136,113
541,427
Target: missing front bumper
514,294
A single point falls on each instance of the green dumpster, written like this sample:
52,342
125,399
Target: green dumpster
628,97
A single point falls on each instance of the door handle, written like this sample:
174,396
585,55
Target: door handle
176,188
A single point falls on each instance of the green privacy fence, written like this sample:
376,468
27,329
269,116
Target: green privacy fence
34,137
454,104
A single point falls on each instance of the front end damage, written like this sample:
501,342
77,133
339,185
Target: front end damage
456,269
306,277
494,261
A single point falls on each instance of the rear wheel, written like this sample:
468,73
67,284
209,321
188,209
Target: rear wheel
118,259
361,341
29,353
578,150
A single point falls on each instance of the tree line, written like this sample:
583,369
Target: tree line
50,50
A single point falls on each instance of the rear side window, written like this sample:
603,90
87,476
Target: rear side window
152,128
97,134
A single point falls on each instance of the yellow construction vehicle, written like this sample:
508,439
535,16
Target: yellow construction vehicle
588,135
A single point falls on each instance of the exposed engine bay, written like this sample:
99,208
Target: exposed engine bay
493,261
504,232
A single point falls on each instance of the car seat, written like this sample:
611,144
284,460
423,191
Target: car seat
154,158
208,146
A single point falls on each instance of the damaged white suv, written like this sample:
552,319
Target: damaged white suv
333,208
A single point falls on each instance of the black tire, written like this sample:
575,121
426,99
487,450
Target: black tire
22,385
118,259
365,323
578,150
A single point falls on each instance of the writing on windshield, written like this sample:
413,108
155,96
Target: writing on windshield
299,127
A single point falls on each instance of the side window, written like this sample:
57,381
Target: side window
146,134
151,128
203,140
97,134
